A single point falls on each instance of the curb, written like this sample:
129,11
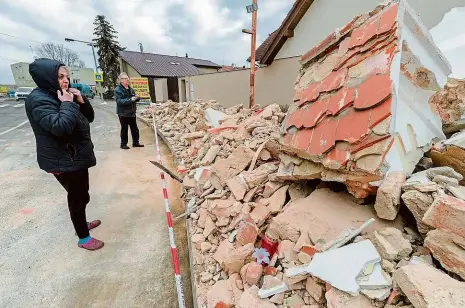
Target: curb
188,227
163,138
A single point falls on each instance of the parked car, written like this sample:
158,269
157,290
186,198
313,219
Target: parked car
109,94
84,89
23,92
11,93
2,94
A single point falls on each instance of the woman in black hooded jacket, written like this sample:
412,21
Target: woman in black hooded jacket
60,119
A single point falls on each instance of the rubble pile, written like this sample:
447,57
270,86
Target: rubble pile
450,103
275,227
262,241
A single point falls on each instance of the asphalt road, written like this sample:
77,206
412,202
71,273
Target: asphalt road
40,263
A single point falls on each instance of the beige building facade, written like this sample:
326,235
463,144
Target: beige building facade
21,75
77,75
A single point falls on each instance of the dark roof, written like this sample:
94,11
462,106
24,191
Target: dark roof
285,31
264,46
149,64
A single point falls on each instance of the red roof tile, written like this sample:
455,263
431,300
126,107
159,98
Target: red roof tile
337,157
353,126
302,139
315,112
340,100
373,91
335,116
318,49
311,93
333,81
363,34
380,112
388,19
323,138
367,142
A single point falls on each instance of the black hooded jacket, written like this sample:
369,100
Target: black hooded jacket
62,130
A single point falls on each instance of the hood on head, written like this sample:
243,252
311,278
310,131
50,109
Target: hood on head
44,72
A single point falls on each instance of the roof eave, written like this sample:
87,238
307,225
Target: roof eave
286,29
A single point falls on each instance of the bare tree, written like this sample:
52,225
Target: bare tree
60,53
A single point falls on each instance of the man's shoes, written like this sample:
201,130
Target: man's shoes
137,145
125,147
92,244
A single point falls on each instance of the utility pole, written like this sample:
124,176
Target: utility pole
253,8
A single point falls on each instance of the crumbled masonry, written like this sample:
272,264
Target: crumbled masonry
299,181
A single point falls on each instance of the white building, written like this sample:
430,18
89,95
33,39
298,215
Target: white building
77,75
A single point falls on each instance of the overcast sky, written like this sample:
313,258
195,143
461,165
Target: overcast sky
207,29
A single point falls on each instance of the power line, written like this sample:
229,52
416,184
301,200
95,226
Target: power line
13,60
21,38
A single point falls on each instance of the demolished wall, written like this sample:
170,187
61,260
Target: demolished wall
361,102
267,232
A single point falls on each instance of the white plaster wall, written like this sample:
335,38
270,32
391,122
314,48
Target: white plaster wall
324,16
414,124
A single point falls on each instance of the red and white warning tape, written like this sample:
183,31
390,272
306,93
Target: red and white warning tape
174,251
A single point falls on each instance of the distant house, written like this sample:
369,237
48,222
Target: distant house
164,72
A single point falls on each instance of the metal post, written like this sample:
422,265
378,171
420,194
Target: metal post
252,56
96,69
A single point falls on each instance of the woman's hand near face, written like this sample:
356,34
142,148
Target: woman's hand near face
65,96
78,95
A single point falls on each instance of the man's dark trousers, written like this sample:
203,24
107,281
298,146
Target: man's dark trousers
125,123
77,185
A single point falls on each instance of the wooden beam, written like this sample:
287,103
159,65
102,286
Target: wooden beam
289,33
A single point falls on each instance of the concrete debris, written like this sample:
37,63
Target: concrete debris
418,203
445,181
427,287
316,290
443,171
388,197
450,101
320,215
233,262
224,169
347,236
220,293
272,286
339,299
250,299
449,249
340,267
295,301
376,280
391,244
447,213
457,191
299,191
247,234
253,273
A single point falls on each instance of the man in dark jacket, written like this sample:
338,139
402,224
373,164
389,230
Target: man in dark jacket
126,108
60,119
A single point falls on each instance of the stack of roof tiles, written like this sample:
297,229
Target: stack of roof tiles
342,117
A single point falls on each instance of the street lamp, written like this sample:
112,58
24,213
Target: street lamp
93,52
